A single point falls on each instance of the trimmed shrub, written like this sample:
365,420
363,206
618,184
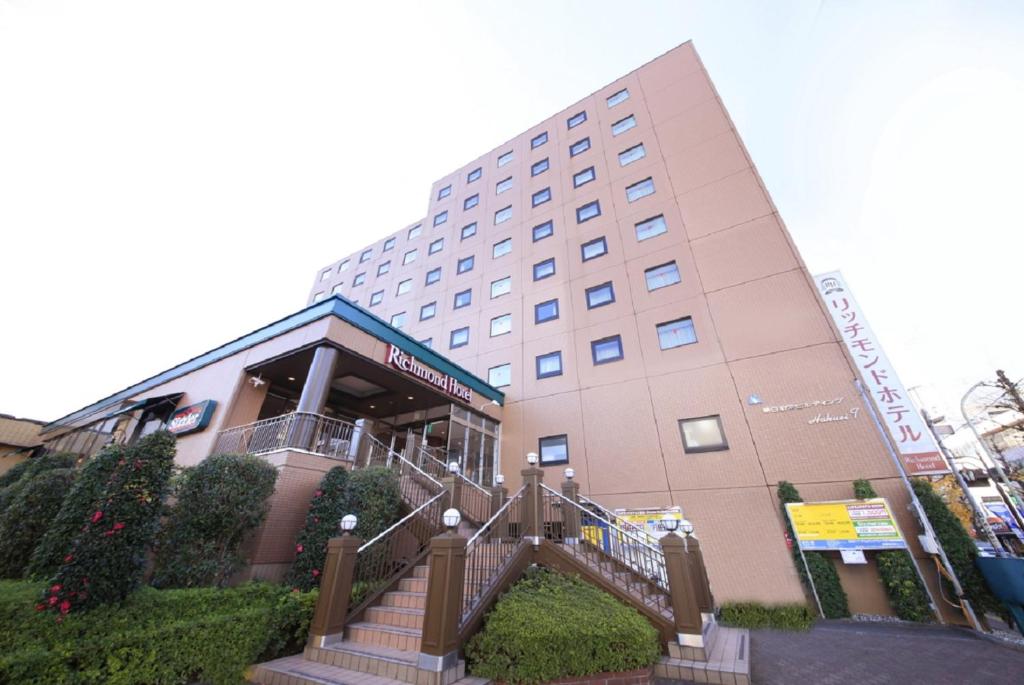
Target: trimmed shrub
831,595
33,467
906,593
24,522
330,503
11,475
106,560
772,616
80,503
374,497
220,501
550,626
204,635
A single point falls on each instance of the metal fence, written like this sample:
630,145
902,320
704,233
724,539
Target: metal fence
489,550
299,431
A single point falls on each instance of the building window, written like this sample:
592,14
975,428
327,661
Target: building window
318,296
376,298
459,338
616,98
444,192
704,434
404,287
436,246
433,276
545,311
588,211
538,140
325,275
383,268
676,333
583,177
409,257
579,147
606,350
539,167
468,231
441,218
502,286
465,264
544,230
500,376
398,320
428,343
640,189
343,266
541,196
632,154
648,228
503,185
500,325
359,279
577,119
471,201
554,449
600,295
428,311
501,248
366,255
549,364
474,175
623,125
594,249
415,231
505,158
661,276
542,270
336,290
463,299
389,244
502,215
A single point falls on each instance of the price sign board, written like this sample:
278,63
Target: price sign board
865,524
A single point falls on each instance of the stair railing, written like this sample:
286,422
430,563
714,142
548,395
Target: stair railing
602,512
476,500
416,484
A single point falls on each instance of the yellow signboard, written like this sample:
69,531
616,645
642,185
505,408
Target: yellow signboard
854,524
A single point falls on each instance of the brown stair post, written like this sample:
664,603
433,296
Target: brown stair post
532,520
689,593
499,495
570,515
328,622
439,646
453,484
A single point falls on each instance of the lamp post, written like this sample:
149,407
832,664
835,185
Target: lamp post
452,518
569,473
500,479
1003,486
453,468
531,458
348,523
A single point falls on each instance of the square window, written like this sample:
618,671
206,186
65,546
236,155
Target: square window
500,325
541,196
661,276
606,350
409,257
404,287
336,290
600,295
704,434
398,320
505,158
554,449
549,364
441,218
594,249
463,299
544,269
383,268
538,140
545,311
318,296
459,338
623,125
415,231
325,275
474,175
539,167
428,311
577,119
616,98
436,246
343,266
676,333
502,215
632,154
502,286
471,201
544,230
376,298
500,376
588,211
365,256
465,264
579,147
359,279
503,185
428,343
648,228
640,189
389,244
444,192
583,177
468,231
501,248
433,276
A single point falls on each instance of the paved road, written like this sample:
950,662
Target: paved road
841,653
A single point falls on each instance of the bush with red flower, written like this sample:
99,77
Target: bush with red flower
24,522
329,504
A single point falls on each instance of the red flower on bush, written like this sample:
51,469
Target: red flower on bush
52,601
316,572
298,549
65,606
318,493
97,516
54,589
42,607
68,558
118,526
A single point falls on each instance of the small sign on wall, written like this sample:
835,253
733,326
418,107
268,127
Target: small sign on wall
192,418
853,556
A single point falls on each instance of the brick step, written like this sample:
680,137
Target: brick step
385,662
412,585
404,600
395,616
728,661
365,633
421,571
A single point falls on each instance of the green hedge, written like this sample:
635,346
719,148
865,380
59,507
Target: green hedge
375,498
330,503
773,616
23,472
154,637
24,522
549,626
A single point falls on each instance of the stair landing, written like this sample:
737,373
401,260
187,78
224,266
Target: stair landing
298,670
728,663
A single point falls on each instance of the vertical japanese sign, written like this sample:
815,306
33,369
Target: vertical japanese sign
914,442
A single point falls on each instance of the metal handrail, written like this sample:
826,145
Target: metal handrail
400,457
402,521
489,552
306,431
613,517
622,531
491,520
458,474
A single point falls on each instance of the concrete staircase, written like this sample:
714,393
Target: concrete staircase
727,661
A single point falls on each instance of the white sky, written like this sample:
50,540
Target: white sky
173,174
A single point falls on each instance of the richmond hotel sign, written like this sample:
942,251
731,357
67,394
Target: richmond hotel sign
411,366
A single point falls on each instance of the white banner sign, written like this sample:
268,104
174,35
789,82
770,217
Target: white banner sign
917,449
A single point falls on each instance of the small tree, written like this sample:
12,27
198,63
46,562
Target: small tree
330,503
32,468
24,522
375,498
220,501
106,560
